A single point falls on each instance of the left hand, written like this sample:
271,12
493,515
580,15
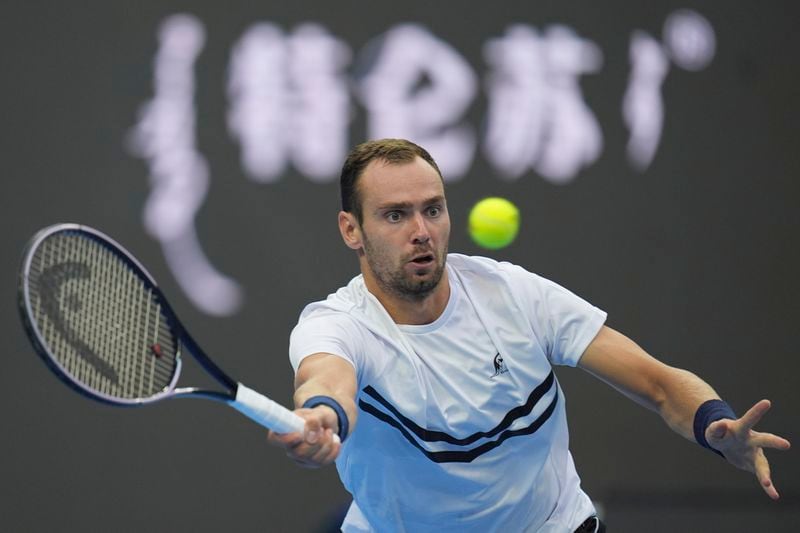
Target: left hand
744,448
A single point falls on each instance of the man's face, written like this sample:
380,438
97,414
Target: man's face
405,227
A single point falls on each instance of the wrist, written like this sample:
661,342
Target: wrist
341,415
709,412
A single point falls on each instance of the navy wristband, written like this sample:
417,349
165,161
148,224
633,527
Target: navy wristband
709,412
333,404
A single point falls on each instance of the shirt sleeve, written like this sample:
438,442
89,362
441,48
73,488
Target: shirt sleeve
331,333
567,322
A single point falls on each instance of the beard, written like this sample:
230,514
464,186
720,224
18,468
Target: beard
393,278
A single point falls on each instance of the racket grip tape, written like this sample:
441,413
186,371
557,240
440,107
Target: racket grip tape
266,412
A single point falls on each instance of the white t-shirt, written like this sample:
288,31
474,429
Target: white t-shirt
461,423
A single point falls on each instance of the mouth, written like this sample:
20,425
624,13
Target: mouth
423,259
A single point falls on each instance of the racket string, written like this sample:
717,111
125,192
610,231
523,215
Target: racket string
89,327
105,323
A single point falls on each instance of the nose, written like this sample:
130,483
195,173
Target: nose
420,234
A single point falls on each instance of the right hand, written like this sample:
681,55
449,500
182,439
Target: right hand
318,445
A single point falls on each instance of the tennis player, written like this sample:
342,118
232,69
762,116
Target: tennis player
436,372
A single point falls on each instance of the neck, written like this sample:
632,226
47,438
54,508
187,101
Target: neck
411,310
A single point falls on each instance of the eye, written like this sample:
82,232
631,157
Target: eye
434,211
393,216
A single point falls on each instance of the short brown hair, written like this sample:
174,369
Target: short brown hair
393,151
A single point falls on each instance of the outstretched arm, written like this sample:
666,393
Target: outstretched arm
676,395
320,375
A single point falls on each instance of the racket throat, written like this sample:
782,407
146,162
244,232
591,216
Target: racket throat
204,394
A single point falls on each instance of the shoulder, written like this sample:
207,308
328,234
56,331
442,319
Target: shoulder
528,289
326,329
478,266
475,264
331,318
340,302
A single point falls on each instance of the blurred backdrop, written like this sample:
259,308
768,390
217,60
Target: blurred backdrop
651,148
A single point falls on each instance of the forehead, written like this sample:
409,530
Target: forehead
383,182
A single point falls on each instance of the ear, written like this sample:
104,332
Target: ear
350,230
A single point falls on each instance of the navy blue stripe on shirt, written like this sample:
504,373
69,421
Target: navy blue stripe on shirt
462,456
429,435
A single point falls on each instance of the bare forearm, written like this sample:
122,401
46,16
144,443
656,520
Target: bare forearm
682,393
326,425
676,395
327,375
673,393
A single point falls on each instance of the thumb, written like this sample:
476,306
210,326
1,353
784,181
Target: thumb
717,430
313,430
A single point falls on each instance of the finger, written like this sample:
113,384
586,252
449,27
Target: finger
768,440
302,447
753,415
317,420
305,463
284,439
299,447
321,454
302,453
763,475
335,445
325,453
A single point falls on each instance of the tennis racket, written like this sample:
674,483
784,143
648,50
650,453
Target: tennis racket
99,321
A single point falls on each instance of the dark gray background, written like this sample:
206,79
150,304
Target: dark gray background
696,258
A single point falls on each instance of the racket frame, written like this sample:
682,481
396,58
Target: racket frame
183,339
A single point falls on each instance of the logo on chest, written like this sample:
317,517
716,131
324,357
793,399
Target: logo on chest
499,366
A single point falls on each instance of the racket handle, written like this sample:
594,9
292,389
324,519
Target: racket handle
266,412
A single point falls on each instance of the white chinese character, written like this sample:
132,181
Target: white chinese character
537,117
419,88
643,105
690,42
689,39
289,100
179,176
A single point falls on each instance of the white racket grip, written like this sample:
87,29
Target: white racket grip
266,412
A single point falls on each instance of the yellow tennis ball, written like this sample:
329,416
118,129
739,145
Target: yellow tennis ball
493,223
